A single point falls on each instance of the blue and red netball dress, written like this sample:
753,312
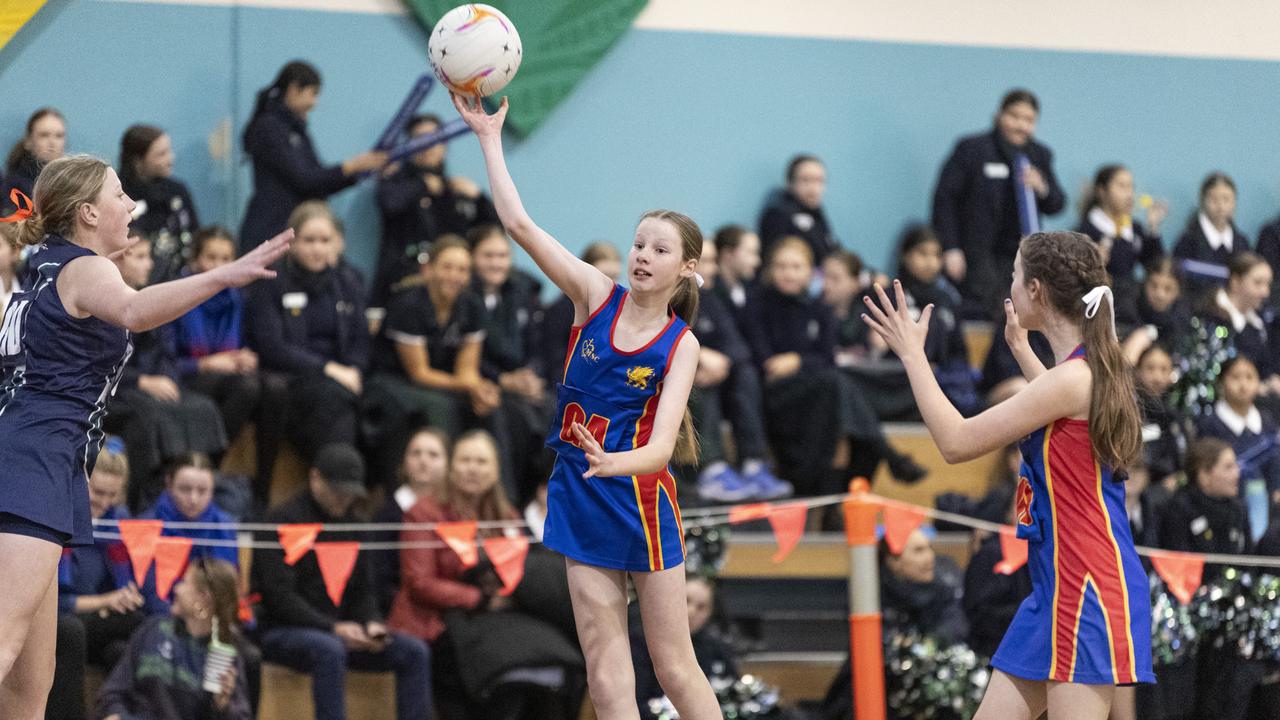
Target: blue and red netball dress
1088,618
59,372
624,523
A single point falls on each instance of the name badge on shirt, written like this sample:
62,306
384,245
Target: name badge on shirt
995,171
294,302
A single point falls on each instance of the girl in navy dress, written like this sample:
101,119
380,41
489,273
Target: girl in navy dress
1086,627
620,417
63,344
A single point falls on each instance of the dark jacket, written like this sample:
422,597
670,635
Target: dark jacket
784,215
22,176
160,676
169,222
1269,245
286,172
714,655
1164,436
1195,522
298,321
509,324
932,608
1193,245
553,339
717,330
1124,257
991,599
974,208
152,355
411,318
295,595
792,323
1257,452
412,218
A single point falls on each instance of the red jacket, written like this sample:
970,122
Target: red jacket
428,578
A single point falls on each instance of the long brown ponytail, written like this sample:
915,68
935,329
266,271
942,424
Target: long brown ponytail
1068,266
684,303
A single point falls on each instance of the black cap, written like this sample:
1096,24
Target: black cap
342,467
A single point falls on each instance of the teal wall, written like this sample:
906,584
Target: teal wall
699,122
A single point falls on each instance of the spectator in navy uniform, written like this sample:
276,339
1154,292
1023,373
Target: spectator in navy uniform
1126,243
727,386
1211,235
557,318
308,323
44,141
738,261
419,203
286,168
158,419
302,628
797,209
976,208
209,343
166,214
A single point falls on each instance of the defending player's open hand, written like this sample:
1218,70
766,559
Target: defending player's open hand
596,456
892,321
481,123
256,264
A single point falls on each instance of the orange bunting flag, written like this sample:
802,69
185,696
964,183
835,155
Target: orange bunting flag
899,522
171,562
1182,572
743,513
507,555
139,538
461,537
1014,551
337,560
788,527
297,540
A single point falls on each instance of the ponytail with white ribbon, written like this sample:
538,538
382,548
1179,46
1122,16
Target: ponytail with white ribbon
1093,299
698,279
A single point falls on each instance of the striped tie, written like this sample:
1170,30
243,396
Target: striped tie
1028,214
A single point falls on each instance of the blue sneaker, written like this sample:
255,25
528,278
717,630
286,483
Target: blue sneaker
765,485
723,485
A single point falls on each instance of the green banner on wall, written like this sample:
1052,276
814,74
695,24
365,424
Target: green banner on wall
562,39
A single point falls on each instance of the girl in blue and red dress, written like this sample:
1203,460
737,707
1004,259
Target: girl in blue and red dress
620,418
1086,627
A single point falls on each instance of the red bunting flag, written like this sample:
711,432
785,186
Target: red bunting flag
743,513
788,527
1182,572
461,536
297,540
899,522
1014,551
139,538
171,562
507,555
337,560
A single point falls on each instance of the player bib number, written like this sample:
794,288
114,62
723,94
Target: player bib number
597,425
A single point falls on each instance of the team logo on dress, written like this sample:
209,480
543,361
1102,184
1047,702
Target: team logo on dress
589,350
1023,503
638,377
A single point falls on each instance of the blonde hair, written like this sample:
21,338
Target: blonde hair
684,303
493,505
310,210
63,186
112,463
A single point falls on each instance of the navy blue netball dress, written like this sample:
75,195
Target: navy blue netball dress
59,372
624,523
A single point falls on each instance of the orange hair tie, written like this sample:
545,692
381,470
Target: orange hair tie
22,213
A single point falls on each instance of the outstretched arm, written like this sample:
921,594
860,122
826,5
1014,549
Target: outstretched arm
92,286
1061,392
585,285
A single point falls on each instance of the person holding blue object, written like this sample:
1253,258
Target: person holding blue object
286,168
621,416
1086,627
63,347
